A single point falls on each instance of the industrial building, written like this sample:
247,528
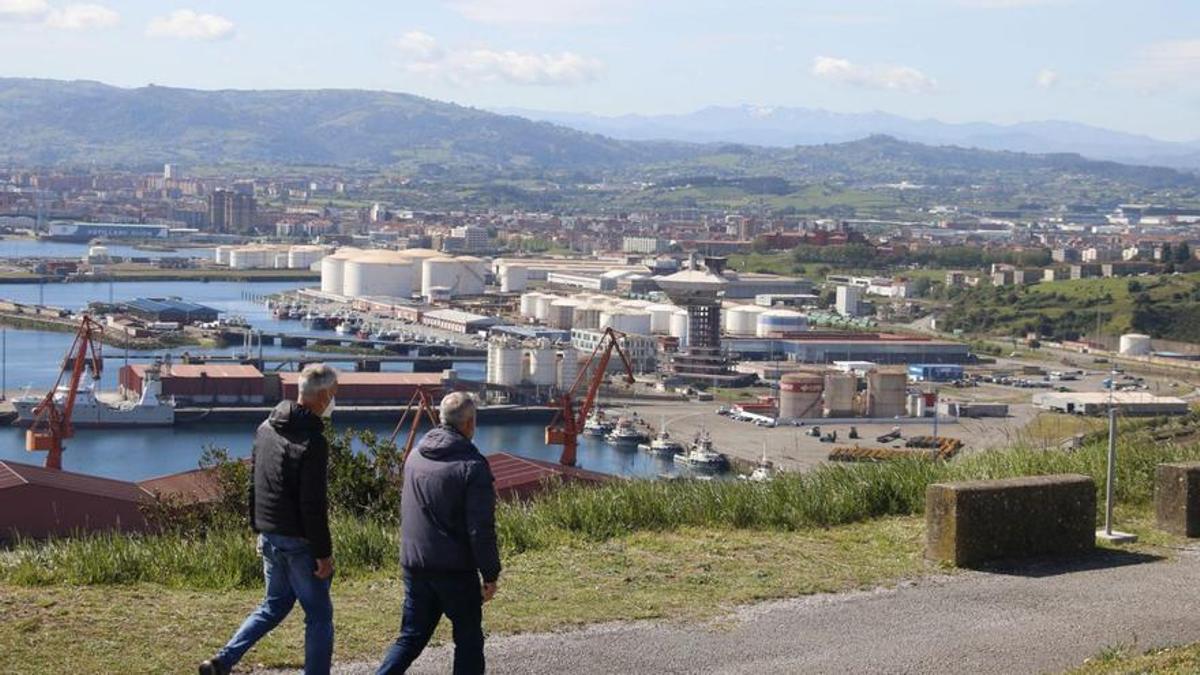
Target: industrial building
85,232
38,502
833,394
367,389
697,291
1127,403
200,385
935,372
457,321
169,310
828,347
642,350
354,273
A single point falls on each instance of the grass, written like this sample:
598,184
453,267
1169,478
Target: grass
693,573
1125,660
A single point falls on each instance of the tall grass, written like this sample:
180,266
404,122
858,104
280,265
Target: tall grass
830,495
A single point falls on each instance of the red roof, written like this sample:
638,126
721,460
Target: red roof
231,370
355,378
521,476
14,474
195,486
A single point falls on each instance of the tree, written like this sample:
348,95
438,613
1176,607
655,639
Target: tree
1183,253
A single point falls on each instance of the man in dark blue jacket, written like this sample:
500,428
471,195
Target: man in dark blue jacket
448,541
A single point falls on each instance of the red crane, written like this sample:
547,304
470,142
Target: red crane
568,421
423,402
52,423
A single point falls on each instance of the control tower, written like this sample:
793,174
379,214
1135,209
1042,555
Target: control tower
698,291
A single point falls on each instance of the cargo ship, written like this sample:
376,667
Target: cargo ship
91,410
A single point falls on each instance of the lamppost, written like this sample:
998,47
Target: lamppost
1108,533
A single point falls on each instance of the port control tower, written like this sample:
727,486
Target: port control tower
698,291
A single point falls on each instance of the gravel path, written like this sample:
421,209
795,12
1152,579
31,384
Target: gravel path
1038,618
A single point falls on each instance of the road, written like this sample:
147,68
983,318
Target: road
1038,618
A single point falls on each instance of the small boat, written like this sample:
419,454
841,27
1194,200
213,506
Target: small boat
596,425
764,471
625,433
663,444
702,456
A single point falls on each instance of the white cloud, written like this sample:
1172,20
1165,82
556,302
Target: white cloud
886,76
542,11
1163,65
187,24
82,17
23,10
423,55
1046,78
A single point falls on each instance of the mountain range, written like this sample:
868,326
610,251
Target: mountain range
790,126
83,123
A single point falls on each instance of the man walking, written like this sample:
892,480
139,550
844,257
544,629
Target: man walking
448,533
289,510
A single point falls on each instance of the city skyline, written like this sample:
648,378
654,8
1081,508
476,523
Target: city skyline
1100,63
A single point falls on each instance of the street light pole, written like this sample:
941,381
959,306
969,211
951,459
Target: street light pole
1108,534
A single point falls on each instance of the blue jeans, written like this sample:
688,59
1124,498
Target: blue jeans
427,596
288,567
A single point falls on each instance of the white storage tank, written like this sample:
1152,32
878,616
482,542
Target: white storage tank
1135,344
543,365
776,322
475,270
303,257
505,362
680,327
840,389
251,257
221,254
541,311
742,320
636,322
586,317
332,267
513,278
528,304
887,392
568,368
800,395
443,272
660,318
281,260
378,274
562,314
633,304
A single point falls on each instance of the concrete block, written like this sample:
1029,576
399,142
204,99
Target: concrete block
973,522
1177,498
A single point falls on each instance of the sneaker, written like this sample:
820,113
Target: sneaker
213,667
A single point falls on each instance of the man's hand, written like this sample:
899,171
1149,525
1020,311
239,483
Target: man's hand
324,568
489,590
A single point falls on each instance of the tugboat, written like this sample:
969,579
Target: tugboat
701,455
663,444
625,434
596,425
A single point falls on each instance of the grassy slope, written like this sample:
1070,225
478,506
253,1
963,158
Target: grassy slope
689,574
1124,660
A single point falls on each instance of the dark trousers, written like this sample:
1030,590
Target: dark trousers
427,596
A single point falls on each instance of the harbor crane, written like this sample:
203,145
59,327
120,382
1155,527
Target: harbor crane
52,416
420,405
568,420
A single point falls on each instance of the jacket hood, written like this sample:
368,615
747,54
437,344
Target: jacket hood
291,417
444,442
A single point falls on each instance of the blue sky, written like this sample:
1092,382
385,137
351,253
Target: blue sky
1132,65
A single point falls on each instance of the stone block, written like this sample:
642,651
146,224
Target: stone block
972,522
1177,498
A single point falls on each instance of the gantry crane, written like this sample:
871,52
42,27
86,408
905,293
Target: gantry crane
568,421
52,420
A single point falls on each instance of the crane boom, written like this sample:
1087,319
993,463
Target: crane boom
52,424
564,428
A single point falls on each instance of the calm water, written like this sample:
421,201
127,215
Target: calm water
32,248
138,454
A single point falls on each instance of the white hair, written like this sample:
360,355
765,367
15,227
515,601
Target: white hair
457,408
316,378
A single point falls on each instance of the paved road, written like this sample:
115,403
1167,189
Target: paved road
1038,618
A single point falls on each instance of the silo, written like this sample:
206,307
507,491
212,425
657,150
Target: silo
776,322
886,393
680,326
332,267
504,363
543,365
1135,344
303,257
382,273
742,320
660,318
562,314
636,322
633,304
542,309
513,278
568,368
586,317
840,389
280,261
221,254
441,272
528,304
474,275
800,395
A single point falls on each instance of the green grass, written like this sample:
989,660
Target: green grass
1125,660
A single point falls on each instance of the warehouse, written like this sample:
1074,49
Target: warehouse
170,310
935,372
37,502
198,385
373,388
831,346
457,321
1127,403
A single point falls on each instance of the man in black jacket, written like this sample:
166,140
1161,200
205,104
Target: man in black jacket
448,541
289,510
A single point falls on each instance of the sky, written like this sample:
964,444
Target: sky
1132,65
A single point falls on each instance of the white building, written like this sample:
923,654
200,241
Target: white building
647,245
848,299
642,350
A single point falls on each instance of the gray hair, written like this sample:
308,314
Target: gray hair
316,378
457,408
